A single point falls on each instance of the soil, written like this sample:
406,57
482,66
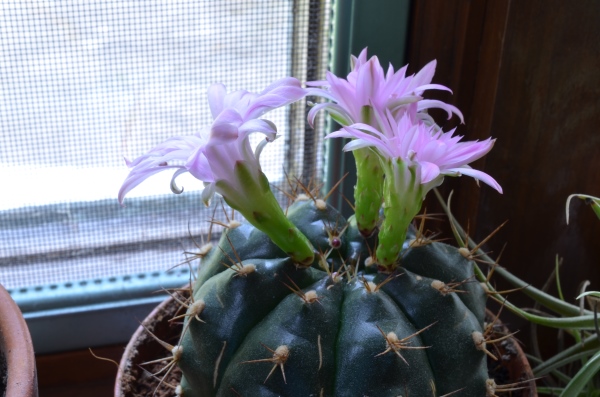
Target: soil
507,369
138,380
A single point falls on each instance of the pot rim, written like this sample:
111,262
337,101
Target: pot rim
138,337
17,346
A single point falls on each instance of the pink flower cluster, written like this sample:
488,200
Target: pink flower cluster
387,112
382,111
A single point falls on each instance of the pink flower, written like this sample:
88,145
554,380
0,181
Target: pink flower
414,157
212,154
368,86
431,151
222,158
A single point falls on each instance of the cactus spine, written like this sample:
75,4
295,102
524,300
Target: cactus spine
270,328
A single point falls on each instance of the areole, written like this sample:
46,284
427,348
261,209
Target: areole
133,381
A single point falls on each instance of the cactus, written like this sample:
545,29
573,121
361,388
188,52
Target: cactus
336,328
308,303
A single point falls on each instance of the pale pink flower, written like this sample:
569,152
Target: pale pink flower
368,85
432,152
212,154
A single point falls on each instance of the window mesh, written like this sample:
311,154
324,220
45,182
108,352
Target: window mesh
84,84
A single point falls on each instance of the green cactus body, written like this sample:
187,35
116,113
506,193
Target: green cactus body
270,328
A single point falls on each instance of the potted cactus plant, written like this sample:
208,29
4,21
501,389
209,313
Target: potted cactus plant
303,301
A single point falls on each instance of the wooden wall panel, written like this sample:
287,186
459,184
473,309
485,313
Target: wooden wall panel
78,373
528,74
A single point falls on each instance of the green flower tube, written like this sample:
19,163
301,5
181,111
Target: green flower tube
414,157
258,205
403,195
368,190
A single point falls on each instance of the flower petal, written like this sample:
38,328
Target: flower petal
424,76
479,175
216,98
339,134
138,175
226,126
357,144
174,188
208,193
336,112
197,165
258,125
316,83
429,171
172,153
433,103
365,139
280,93
467,152
426,87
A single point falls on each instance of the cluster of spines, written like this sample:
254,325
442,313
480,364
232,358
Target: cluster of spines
334,230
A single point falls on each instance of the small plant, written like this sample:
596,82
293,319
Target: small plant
579,322
306,302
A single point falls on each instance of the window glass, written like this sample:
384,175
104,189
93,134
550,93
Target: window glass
84,84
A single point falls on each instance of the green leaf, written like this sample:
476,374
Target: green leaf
557,272
581,379
595,294
593,201
590,344
554,391
562,360
549,301
554,372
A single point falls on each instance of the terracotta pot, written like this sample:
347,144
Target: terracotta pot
133,381
16,350
512,365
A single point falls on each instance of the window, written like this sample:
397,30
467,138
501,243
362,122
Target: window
83,84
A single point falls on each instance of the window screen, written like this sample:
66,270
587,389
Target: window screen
84,84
